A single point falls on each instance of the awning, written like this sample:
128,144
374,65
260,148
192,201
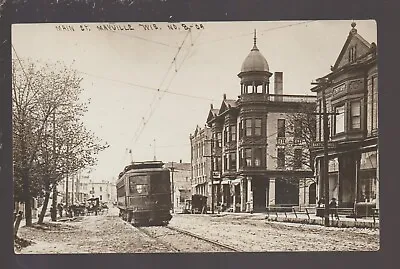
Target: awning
236,181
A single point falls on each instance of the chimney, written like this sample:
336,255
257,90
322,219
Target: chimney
278,87
211,106
224,96
180,161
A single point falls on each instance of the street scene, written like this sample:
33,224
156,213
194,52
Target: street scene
195,137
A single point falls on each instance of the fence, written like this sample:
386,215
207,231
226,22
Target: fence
312,212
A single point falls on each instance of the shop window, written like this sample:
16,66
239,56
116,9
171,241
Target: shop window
281,128
257,127
355,115
339,119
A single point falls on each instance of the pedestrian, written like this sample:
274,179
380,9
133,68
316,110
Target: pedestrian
60,209
333,208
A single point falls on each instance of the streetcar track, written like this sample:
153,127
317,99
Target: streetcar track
177,231
149,234
203,238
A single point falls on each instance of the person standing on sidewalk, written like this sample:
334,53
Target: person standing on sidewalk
333,208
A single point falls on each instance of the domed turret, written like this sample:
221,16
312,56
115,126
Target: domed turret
255,61
254,72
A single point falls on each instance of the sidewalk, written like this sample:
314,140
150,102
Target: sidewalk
302,217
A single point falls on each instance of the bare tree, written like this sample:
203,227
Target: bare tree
302,127
49,137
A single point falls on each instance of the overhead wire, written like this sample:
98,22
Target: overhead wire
163,93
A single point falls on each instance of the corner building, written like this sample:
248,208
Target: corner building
250,137
351,92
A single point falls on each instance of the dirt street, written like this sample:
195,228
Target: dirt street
109,234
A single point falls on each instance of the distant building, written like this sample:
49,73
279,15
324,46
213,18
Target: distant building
81,188
251,137
351,90
200,145
180,181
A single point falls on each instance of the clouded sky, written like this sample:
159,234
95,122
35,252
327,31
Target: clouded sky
122,70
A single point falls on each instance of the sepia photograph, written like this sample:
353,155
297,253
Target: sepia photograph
195,137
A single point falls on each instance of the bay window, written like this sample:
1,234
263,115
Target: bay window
339,119
355,115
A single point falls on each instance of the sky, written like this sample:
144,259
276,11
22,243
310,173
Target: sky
122,71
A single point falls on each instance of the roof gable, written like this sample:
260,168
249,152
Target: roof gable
226,105
212,114
354,40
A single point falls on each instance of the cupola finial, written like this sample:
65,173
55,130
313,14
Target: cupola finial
255,41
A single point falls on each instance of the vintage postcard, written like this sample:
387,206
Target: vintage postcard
251,136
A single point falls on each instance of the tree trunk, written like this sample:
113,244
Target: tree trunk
28,199
45,203
54,202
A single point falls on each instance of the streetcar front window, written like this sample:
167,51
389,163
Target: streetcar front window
138,185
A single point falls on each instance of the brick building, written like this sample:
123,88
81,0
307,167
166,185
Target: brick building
180,181
351,90
251,138
201,162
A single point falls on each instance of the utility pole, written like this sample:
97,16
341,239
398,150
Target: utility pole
172,191
324,83
211,173
326,161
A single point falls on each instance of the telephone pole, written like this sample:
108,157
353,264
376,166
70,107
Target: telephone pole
172,187
326,161
211,173
324,83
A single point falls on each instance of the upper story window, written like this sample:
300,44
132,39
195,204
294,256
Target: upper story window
241,158
297,158
219,140
352,54
248,124
101,189
355,115
374,101
297,129
232,160
226,162
281,128
257,156
247,157
257,127
339,119
241,128
281,158
226,134
233,132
